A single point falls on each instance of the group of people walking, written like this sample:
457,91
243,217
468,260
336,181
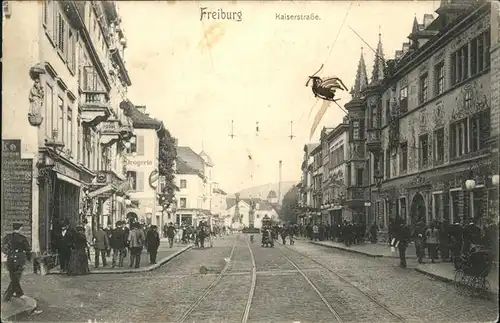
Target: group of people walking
73,246
347,232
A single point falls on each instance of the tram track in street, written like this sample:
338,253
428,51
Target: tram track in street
219,283
338,316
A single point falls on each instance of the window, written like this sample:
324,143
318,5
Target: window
459,65
458,138
479,130
49,111
375,117
439,78
132,179
60,123
91,81
455,206
71,52
439,146
479,206
183,183
61,34
403,166
479,55
69,129
468,100
133,145
349,175
359,177
403,99
79,140
437,210
424,150
183,202
388,111
388,163
402,208
355,130
423,95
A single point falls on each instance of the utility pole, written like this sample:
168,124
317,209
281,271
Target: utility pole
279,182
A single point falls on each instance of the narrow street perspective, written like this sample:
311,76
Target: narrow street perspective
242,161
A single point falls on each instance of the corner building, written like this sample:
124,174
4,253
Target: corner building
427,122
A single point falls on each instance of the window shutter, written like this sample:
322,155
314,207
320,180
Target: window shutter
140,181
140,145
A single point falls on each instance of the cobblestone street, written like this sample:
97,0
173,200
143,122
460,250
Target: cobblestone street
356,288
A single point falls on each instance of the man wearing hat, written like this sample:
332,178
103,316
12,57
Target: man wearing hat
118,243
17,249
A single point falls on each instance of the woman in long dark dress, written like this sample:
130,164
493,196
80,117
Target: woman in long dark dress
79,261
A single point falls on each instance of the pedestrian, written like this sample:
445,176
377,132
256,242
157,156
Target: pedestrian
170,234
136,243
64,240
108,230
101,245
419,238
118,243
432,239
315,230
402,236
17,249
373,233
152,243
79,259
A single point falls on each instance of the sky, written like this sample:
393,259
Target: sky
200,76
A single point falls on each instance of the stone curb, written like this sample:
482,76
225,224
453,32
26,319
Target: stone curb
136,270
30,305
447,280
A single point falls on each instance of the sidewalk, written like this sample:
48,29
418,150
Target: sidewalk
444,271
18,307
375,250
165,254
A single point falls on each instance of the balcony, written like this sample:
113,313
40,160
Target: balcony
373,142
95,107
356,197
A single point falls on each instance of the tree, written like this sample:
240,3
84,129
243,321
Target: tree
289,207
167,157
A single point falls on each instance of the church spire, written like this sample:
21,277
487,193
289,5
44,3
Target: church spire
378,66
361,78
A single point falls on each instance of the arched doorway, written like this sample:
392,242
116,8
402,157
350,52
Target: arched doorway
132,217
417,212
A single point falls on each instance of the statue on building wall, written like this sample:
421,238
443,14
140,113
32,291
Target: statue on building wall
36,96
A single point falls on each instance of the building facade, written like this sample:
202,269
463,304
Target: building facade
306,202
334,143
74,80
194,179
423,125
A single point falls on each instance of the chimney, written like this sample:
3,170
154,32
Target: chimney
141,108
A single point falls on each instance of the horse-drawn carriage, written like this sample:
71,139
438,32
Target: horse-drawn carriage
471,272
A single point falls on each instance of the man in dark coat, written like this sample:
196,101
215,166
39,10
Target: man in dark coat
118,243
101,245
17,249
402,235
170,233
152,243
64,240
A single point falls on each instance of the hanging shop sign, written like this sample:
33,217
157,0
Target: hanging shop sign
154,179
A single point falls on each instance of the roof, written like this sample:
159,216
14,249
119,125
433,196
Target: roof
139,119
207,158
183,168
219,191
191,158
310,147
263,205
